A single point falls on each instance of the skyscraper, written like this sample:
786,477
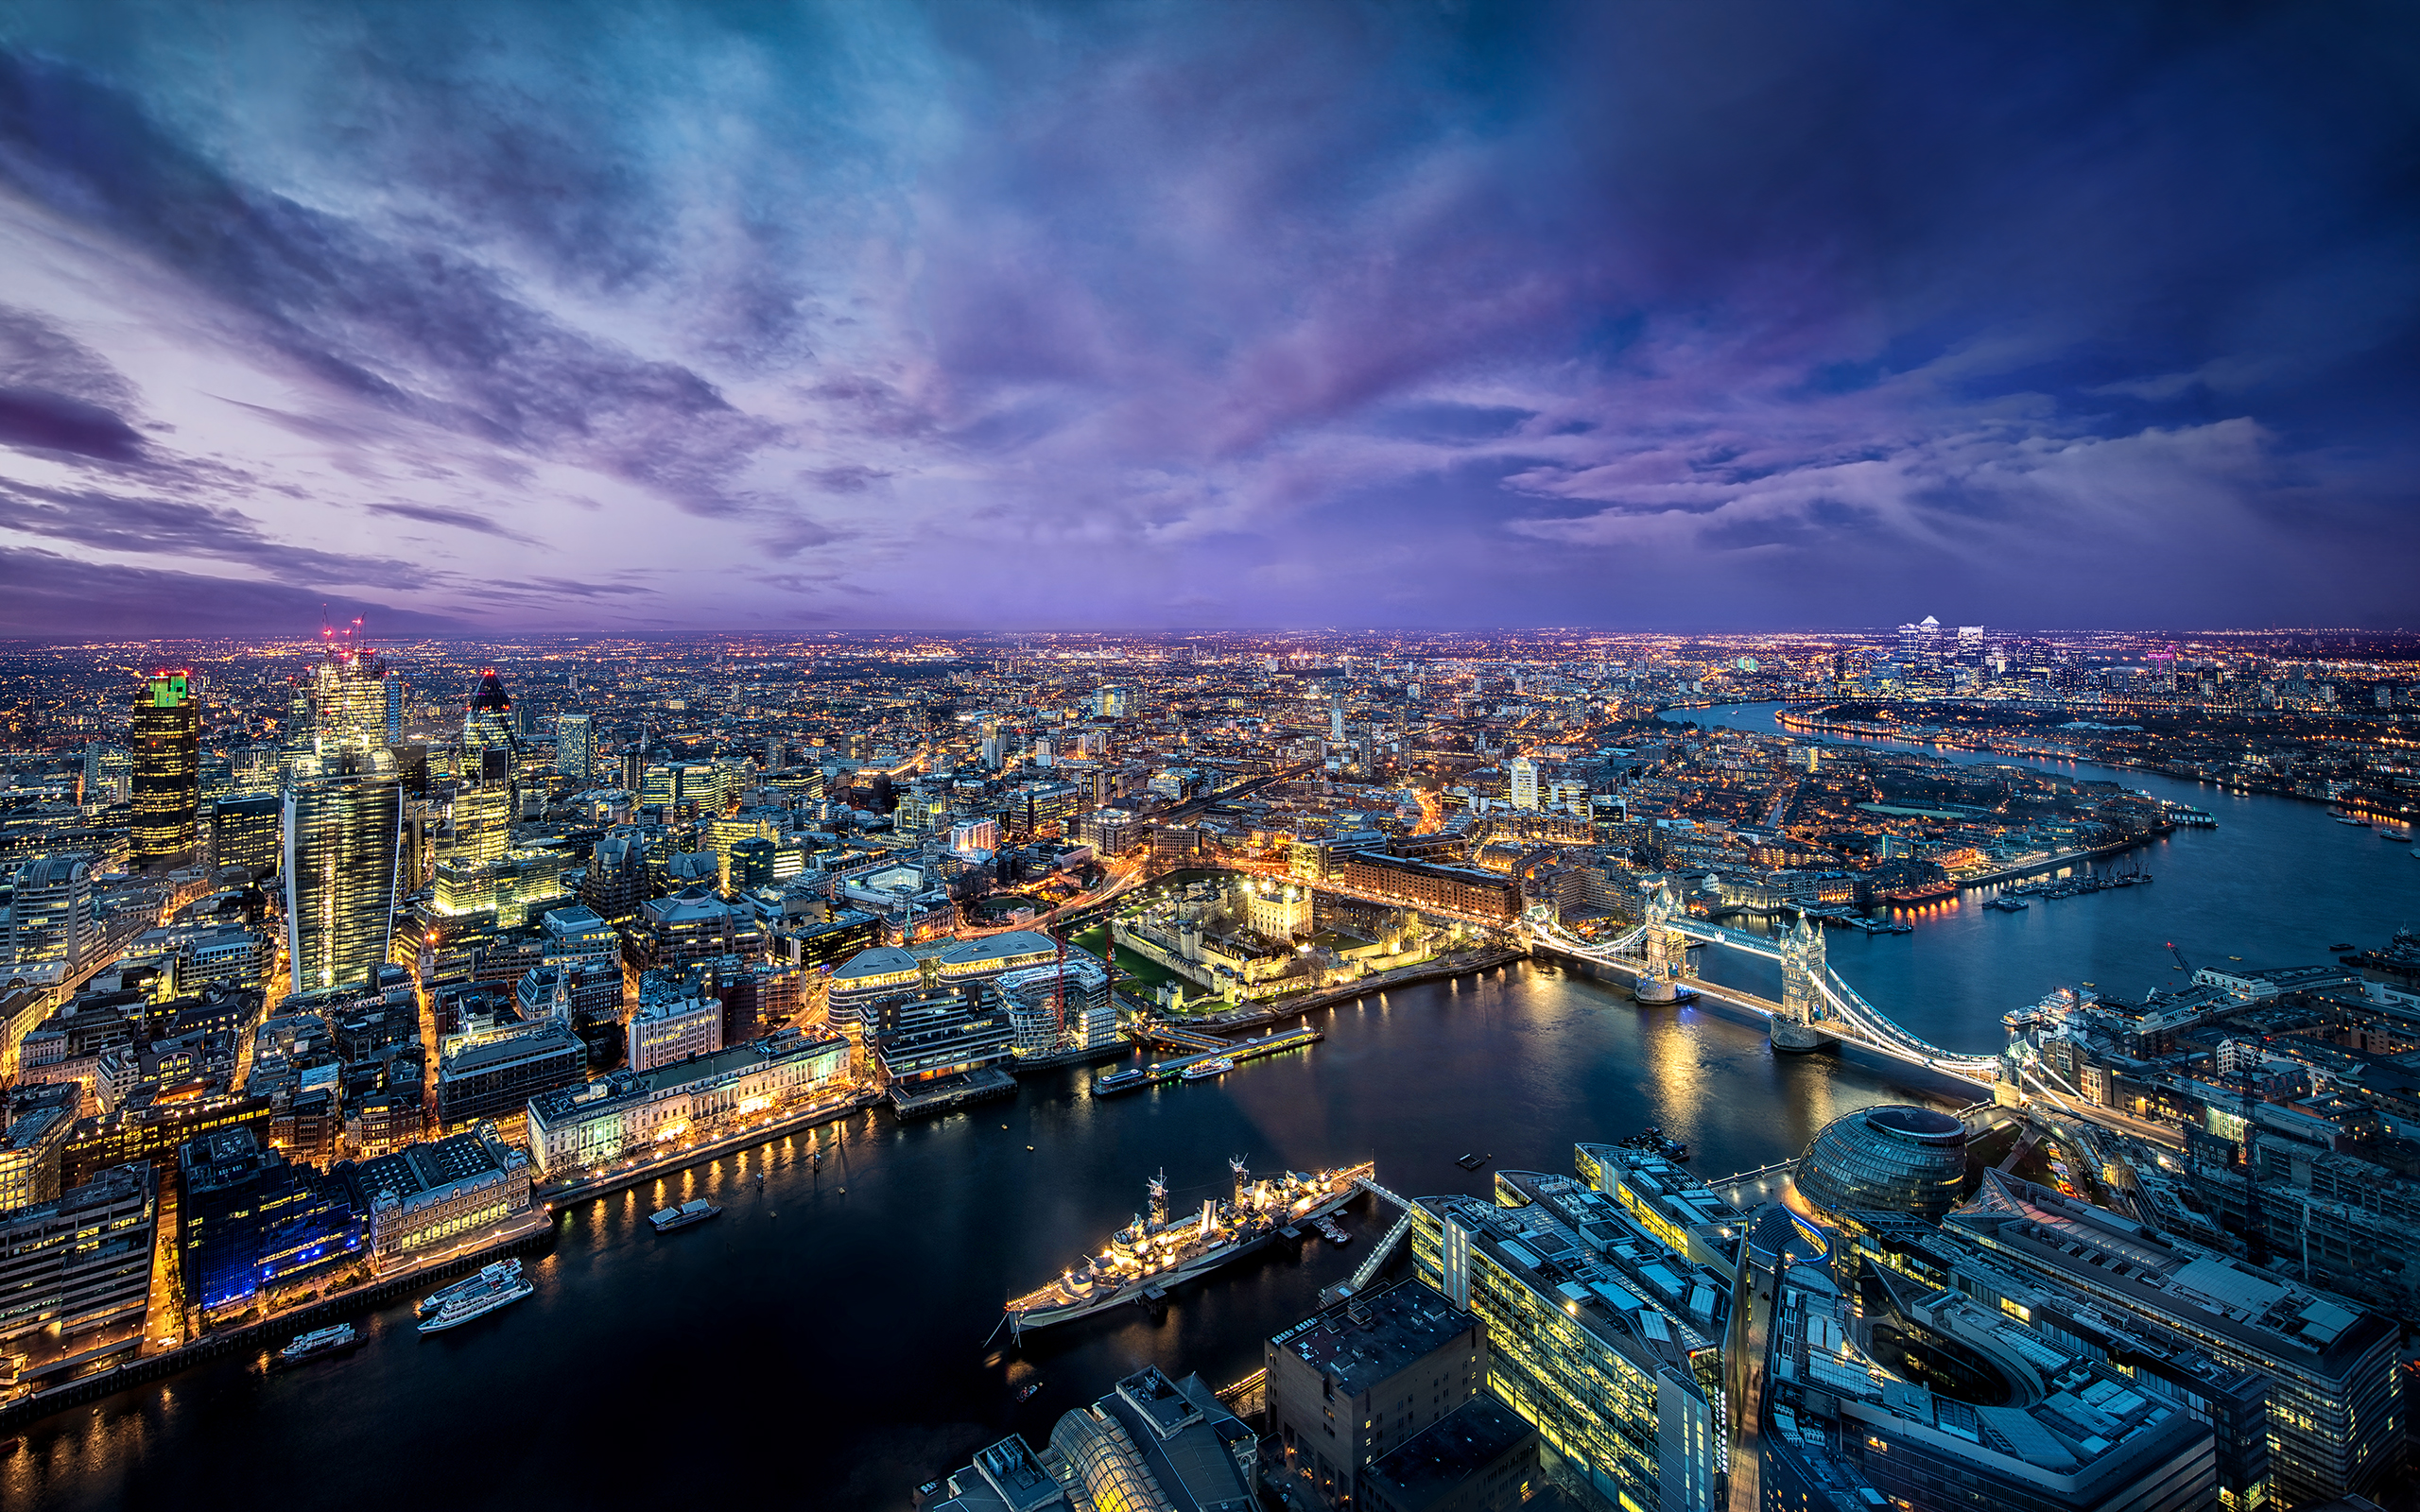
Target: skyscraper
1522,785
168,770
343,825
355,702
487,719
573,744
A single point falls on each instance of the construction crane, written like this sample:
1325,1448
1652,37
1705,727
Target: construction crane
2182,964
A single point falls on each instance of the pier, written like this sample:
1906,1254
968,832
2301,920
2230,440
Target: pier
1159,1071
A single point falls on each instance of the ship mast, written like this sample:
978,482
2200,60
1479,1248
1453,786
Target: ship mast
1243,1179
1159,1190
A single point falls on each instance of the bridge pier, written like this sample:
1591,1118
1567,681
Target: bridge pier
1797,1039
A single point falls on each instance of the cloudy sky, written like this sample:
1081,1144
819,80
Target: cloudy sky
1028,315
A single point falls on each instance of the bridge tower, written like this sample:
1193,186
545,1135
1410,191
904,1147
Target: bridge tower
1656,979
1798,1025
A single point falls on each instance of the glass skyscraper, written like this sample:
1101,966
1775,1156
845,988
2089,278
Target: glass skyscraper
343,824
573,744
166,778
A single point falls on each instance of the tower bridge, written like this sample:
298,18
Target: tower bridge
1817,1007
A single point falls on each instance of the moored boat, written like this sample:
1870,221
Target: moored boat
697,1210
1151,1255
493,1274
485,1297
1204,1070
319,1342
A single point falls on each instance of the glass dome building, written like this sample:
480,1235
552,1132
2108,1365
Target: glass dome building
1891,1159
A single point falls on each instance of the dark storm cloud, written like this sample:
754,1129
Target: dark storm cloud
40,421
1419,314
53,597
415,329
430,514
173,528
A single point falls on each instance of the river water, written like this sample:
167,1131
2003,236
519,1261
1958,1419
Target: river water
825,1342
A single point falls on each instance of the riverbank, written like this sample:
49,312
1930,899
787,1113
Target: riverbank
1469,963
531,1230
606,1183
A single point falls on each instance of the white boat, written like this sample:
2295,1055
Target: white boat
697,1210
1204,1070
464,1306
319,1342
494,1274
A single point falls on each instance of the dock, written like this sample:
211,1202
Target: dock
1134,1078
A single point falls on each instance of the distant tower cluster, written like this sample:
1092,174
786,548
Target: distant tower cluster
340,819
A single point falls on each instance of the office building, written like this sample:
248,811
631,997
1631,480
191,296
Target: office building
615,1118
1059,1006
1364,1378
673,1026
2336,1410
1891,1158
496,1079
343,826
52,915
1598,1336
1899,1394
1480,1457
249,1219
248,832
428,1193
945,1034
31,1148
1151,1435
166,775
75,1272
487,717
575,745
1521,782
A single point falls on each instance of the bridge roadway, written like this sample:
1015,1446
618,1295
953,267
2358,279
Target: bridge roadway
1851,1018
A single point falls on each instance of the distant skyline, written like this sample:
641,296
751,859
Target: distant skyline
495,318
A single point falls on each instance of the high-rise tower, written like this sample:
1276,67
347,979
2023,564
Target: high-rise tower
166,778
574,744
487,719
343,824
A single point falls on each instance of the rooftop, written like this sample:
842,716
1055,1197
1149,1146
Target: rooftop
1367,1339
1471,1437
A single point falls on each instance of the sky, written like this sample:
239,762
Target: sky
505,316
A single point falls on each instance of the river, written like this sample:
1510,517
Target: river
824,1343
2274,884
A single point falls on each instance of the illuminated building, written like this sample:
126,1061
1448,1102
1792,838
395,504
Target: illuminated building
343,842
429,1192
354,703
670,1026
487,717
77,1272
1521,782
2335,1402
246,831
1598,1337
165,782
629,1114
496,1079
482,826
30,1151
575,738
1059,1006
51,912
249,1219
1364,1377
1152,1435
1888,1160
942,1033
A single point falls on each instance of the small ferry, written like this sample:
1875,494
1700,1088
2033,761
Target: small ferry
486,1296
697,1210
1204,1070
319,1342
2341,816
2392,832
2007,905
490,1275
1126,1079
1329,1231
1025,1393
